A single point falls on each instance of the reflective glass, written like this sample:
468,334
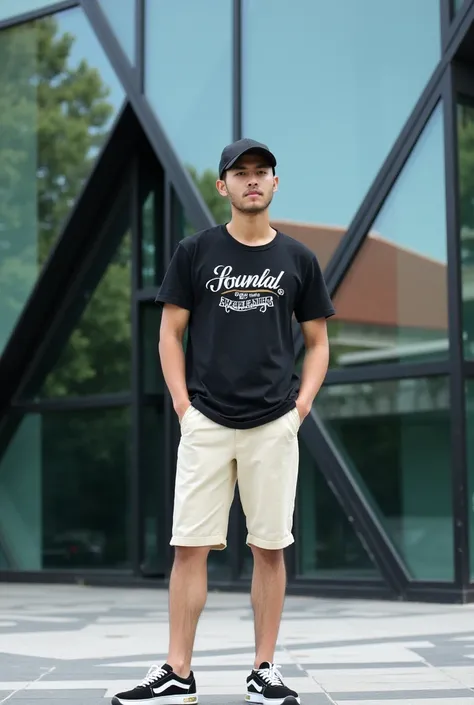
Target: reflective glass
466,210
97,357
121,15
470,460
12,8
150,251
330,98
328,546
392,303
396,438
64,491
155,538
456,5
151,370
188,82
58,98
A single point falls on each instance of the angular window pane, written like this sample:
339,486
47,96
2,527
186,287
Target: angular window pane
150,251
189,84
121,15
392,304
151,370
456,5
58,98
328,546
96,358
470,460
466,209
74,513
12,8
395,437
155,539
320,101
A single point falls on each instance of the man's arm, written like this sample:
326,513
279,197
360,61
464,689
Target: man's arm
315,363
174,322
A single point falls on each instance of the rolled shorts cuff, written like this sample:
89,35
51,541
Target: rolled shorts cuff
217,543
271,545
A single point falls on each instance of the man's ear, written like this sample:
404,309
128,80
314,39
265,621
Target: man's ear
276,182
222,188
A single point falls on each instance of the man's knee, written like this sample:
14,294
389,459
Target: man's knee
191,554
267,556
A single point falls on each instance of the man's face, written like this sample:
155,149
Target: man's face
249,185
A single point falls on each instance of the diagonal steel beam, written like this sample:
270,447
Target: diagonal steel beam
22,354
195,206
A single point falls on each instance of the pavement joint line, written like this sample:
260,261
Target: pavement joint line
18,690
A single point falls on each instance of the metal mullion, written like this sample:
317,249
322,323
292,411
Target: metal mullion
140,43
459,24
380,373
457,391
136,467
237,69
95,401
38,13
171,426
445,9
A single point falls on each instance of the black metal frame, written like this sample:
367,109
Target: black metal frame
43,11
137,134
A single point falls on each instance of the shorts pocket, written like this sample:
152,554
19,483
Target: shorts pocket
186,414
296,417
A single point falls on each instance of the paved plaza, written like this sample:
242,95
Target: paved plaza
79,645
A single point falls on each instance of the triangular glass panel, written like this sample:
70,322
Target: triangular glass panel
328,545
339,138
97,356
58,99
392,304
121,15
395,437
188,115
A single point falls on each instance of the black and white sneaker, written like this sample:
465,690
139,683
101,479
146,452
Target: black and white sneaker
265,685
161,686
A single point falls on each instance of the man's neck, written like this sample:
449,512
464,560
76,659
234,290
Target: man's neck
251,229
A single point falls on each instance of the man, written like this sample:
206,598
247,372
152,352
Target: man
235,288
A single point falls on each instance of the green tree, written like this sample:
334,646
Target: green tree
206,183
55,116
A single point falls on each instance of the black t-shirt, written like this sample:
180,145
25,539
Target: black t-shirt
240,359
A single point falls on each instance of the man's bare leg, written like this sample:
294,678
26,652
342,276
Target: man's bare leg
187,597
268,596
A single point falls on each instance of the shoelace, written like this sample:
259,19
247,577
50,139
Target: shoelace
153,673
271,675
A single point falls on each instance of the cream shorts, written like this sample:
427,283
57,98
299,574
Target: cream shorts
213,458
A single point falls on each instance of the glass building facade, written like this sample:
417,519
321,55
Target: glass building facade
113,117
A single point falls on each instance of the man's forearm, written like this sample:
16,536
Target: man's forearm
315,366
174,370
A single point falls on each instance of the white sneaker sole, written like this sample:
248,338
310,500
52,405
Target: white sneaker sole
258,698
160,700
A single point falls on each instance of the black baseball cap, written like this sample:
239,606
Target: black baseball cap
233,151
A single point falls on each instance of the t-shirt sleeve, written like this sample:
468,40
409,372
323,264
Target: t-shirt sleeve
313,300
176,287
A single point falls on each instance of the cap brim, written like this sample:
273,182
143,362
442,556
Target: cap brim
255,150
